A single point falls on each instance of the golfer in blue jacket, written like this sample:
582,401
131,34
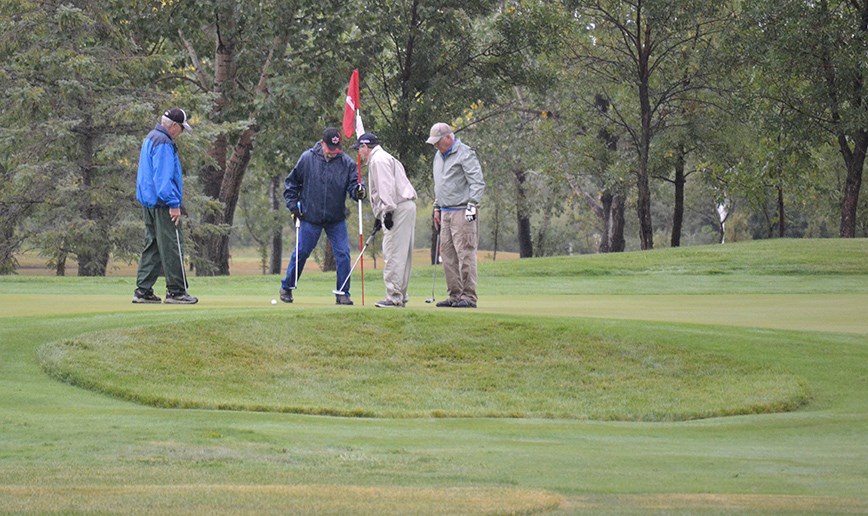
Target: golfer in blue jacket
160,190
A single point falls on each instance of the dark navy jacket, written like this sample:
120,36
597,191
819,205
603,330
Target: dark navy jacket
321,186
159,180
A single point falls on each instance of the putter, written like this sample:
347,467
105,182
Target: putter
340,291
297,225
183,270
434,270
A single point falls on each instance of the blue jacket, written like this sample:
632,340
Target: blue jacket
321,186
159,180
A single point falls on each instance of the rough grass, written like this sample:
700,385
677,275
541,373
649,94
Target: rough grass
403,364
303,499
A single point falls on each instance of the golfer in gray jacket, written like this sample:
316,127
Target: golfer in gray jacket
393,203
458,189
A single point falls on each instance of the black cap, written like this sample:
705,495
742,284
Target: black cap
332,138
179,116
369,139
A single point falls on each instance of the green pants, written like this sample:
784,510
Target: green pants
160,255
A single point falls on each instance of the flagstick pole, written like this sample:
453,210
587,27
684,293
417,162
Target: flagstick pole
361,232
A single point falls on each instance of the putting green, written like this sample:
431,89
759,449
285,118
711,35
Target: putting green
412,364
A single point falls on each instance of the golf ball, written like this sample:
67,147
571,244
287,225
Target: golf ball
274,301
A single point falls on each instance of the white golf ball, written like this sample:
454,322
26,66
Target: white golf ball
274,301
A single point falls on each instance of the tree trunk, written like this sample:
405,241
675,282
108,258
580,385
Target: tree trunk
606,205
543,230
495,231
275,192
525,241
222,182
93,254
678,214
328,259
782,226
855,161
646,231
617,207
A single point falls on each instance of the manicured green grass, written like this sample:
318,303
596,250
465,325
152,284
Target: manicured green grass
409,364
68,449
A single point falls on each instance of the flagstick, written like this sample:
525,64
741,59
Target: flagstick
353,120
361,233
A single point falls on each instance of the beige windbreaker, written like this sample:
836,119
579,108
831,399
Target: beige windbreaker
388,182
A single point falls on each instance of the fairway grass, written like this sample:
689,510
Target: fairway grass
790,308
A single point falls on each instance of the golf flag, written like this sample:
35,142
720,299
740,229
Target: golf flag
352,116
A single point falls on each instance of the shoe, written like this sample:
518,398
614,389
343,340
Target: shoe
142,296
446,303
387,304
286,295
464,304
343,299
180,298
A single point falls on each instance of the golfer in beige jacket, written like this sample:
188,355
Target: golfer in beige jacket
393,201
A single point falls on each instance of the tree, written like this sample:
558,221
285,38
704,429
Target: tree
237,50
819,49
636,50
77,87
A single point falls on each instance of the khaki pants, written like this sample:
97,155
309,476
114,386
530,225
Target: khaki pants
398,245
458,242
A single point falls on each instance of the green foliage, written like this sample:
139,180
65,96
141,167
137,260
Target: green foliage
763,97
78,91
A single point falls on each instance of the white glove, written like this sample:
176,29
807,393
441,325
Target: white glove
470,212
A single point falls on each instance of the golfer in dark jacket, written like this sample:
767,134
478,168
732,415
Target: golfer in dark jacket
316,191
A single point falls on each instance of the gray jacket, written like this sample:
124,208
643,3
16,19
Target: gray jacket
457,177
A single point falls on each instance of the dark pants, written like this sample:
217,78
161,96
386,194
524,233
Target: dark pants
161,252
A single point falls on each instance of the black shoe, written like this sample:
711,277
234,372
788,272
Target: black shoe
343,299
464,304
142,296
286,295
180,298
446,303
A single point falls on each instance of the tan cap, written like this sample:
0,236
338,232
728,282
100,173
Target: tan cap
438,130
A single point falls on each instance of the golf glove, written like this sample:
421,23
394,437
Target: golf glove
361,193
377,224
470,212
387,220
295,213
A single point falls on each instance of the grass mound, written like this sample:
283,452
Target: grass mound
409,364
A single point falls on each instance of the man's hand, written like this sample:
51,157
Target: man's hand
377,224
295,213
361,193
470,212
437,219
387,220
175,214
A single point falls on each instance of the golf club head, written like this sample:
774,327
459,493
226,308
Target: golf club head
338,292
429,300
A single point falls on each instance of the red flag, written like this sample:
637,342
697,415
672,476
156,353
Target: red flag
352,106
